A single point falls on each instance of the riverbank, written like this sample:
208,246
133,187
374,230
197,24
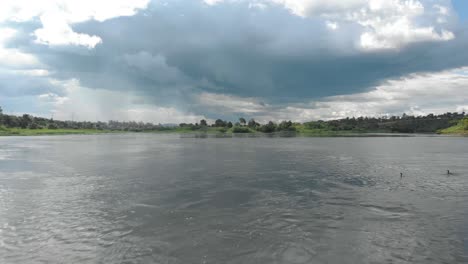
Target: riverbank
45,131
455,130
298,130
27,125
458,129
209,131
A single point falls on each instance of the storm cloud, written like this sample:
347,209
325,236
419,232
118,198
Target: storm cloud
272,55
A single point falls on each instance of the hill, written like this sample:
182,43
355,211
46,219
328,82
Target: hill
461,128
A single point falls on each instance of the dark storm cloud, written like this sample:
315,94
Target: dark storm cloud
171,50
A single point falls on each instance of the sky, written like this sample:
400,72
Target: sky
185,60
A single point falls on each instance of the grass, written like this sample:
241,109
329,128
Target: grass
458,129
38,132
303,130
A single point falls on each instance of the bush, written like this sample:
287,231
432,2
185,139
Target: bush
465,123
52,126
286,126
34,126
268,128
290,129
315,125
239,129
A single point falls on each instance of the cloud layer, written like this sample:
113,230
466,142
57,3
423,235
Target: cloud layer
270,59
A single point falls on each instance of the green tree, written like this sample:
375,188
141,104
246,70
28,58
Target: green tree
203,122
25,121
242,121
286,126
54,126
239,129
465,123
268,128
219,123
34,125
252,123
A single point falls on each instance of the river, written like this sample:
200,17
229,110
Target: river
166,198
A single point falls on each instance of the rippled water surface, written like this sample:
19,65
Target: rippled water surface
144,198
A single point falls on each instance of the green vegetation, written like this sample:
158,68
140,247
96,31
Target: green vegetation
461,128
189,130
445,124
239,129
37,132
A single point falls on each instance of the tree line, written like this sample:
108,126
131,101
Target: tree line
243,126
402,124
33,122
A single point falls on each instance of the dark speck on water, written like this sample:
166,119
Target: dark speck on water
154,198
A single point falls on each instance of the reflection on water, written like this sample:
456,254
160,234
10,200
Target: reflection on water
137,198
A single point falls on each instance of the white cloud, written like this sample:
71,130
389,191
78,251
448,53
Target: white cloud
305,8
16,59
33,72
386,24
56,31
52,98
74,11
392,24
443,10
212,2
13,58
332,25
57,16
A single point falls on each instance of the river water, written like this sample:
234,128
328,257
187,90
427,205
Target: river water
153,198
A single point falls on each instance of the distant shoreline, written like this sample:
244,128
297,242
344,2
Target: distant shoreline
216,132
445,124
50,132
